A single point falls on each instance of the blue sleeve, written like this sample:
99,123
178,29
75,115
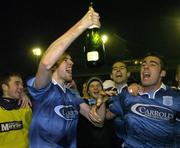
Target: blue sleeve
115,105
79,100
75,91
75,96
36,93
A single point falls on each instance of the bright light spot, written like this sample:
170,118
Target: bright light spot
136,62
37,51
93,56
104,38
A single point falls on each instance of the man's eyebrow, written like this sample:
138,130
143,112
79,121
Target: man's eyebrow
152,61
119,66
18,81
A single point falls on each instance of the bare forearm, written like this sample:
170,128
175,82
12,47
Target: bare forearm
109,115
59,46
94,115
101,111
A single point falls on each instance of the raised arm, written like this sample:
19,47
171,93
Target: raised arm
59,46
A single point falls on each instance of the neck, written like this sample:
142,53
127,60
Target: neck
6,96
59,81
151,88
120,85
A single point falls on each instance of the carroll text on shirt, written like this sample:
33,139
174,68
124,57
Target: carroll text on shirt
153,111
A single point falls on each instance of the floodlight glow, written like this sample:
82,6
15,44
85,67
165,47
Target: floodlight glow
104,38
37,51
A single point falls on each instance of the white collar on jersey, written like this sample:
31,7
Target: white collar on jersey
152,94
60,85
119,89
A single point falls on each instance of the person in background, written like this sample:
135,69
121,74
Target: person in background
119,76
109,85
178,75
153,115
56,108
90,136
15,112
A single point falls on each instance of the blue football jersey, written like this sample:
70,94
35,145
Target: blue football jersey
149,122
55,117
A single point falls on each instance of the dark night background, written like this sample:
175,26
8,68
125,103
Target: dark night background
134,28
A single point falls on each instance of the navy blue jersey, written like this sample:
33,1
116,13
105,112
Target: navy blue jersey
149,122
55,117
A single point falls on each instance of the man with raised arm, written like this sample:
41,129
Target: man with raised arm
55,107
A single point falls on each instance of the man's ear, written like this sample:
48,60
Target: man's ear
87,91
4,87
128,74
176,78
163,73
111,76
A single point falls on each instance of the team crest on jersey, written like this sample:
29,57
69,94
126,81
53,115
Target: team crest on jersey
168,100
153,111
66,112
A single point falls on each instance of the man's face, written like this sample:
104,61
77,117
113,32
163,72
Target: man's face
151,73
178,75
14,88
119,73
94,88
64,69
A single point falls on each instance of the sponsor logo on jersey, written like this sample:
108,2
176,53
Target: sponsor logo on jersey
153,111
168,100
66,112
8,126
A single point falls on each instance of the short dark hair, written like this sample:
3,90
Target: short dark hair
160,57
126,66
5,78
